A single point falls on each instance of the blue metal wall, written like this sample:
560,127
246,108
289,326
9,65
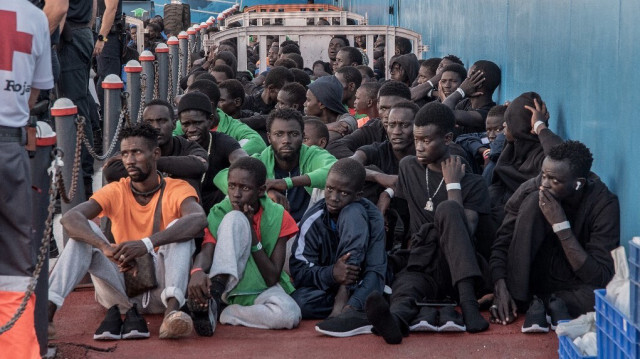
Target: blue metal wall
580,55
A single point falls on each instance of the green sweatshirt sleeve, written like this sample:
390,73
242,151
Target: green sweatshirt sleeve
178,130
315,163
249,140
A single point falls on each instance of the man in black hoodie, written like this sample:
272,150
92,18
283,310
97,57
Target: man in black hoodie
404,68
526,147
555,241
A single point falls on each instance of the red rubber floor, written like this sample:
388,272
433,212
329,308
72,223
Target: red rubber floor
80,316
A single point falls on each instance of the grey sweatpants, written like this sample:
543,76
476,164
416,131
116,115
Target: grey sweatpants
273,308
78,258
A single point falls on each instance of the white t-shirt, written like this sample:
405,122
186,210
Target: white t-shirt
25,59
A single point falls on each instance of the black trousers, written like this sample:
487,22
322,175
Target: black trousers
537,264
443,256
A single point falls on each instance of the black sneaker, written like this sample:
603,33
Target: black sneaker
111,326
134,327
450,320
557,311
204,318
535,321
426,321
345,325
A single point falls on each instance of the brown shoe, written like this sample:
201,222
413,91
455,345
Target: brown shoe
175,325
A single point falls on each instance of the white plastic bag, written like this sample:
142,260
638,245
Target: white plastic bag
577,327
618,288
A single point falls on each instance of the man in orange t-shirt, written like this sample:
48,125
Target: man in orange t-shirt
131,204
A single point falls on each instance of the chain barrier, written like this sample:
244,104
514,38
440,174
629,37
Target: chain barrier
143,90
188,57
180,61
56,177
112,146
156,77
64,196
170,88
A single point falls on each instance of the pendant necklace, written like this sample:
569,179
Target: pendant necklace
208,155
429,205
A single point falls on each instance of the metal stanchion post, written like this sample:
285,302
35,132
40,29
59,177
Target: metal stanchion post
40,180
133,69
65,113
175,62
197,39
146,59
112,86
183,37
162,54
191,32
203,35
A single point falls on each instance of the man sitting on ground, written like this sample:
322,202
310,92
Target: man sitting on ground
366,102
292,95
249,140
555,242
264,101
350,78
338,258
386,157
471,101
522,156
232,98
373,131
404,68
347,56
179,159
293,169
324,100
444,213
195,114
164,212
241,264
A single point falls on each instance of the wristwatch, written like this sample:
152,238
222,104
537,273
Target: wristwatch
102,38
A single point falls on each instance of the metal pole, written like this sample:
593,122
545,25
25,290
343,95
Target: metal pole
191,32
41,181
65,113
162,53
203,34
183,37
146,59
112,86
133,69
174,53
196,38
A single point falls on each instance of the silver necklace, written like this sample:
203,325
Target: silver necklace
208,155
429,205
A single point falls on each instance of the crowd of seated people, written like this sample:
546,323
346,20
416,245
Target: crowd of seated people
304,191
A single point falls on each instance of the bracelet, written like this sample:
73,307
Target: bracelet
461,92
256,248
561,226
430,83
197,269
147,242
536,125
452,186
390,192
289,182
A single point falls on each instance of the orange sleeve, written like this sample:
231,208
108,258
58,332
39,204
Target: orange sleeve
108,197
289,227
208,237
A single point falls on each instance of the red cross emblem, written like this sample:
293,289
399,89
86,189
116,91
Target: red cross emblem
11,40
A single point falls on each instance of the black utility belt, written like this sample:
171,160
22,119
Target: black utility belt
11,134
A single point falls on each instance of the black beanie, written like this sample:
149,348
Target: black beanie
195,101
